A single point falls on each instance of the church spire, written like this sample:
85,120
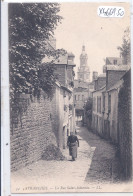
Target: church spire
84,71
83,48
83,57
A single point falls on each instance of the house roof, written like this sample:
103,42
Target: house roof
103,75
69,62
127,74
62,60
71,54
110,60
66,88
118,68
102,88
115,86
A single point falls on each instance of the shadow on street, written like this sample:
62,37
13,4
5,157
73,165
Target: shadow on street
105,164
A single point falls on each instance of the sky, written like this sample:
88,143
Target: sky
101,36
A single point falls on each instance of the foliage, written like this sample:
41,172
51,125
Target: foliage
125,49
88,107
79,112
30,27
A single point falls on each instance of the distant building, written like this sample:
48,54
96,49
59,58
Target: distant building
84,71
82,86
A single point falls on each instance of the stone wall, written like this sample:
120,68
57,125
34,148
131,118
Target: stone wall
55,113
69,73
31,130
125,127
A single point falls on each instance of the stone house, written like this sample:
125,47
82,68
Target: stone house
62,114
97,113
105,122
113,85
98,99
63,101
111,111
63,106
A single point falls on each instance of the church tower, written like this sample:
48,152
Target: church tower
84,71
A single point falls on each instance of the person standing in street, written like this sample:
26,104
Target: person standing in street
73,144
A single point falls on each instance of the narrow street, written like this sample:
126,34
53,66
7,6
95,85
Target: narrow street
96,164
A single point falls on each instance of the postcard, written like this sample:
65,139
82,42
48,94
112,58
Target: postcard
70,119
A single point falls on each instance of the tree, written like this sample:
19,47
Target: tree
125,49
88,108
30,27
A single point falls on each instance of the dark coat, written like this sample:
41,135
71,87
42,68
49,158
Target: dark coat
73,143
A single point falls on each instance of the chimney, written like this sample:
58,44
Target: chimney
95,75
71,57
104,68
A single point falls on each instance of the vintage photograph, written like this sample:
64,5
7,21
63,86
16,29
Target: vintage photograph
70,97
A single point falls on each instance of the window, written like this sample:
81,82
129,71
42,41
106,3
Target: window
94,104
103,102
82,97
115,62
109,103
75,97
99,104
78,97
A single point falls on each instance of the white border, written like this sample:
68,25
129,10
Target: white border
5,136
5,122
44,1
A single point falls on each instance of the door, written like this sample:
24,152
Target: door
63,138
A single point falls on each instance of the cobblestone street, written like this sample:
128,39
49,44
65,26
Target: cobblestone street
96,163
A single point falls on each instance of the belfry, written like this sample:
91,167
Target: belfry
84,71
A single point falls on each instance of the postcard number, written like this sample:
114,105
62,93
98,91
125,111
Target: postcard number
110,11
